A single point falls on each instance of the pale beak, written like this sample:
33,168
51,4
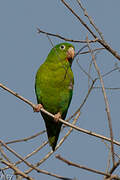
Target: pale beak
70,53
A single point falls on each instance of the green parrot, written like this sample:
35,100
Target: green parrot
54,88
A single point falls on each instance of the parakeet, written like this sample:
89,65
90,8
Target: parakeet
54,88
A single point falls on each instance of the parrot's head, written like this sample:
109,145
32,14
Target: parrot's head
62,52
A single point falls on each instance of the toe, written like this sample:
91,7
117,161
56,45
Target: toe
37,107
57,116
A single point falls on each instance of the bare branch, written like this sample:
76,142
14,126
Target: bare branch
107,47
108,88
103,43
86,73
61,120
116,164
109,72
110,149
17,95
97,49
70,163
90,19
114,167
29,155
16,170
58,145
27,163
106,102
82,22
85,99
63,38
3,154
82,167
26,139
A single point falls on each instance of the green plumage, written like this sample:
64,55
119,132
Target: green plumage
54,88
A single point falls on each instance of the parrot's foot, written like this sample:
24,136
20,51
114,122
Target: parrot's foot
37,107
57,116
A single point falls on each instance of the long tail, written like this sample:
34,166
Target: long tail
53,130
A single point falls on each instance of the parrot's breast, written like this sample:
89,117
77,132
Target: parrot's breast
54,88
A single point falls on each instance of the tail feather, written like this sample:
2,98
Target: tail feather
53,141
53,130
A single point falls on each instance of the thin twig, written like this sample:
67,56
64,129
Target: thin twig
86,73
97,49
103,43
90,19
85,99
3,154
110,149
109,72
114,167
27,138
81,21
107,47
82,167
116,164
106,102
27,163
108,88
108,175
16,170
29,155
63,38
108,162
90,65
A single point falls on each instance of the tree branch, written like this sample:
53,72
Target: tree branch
64,38
26,139
70,163
61,120
102,42
29,155
58,145
16,170
106,102
24,174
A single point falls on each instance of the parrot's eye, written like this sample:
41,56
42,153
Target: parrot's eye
62,47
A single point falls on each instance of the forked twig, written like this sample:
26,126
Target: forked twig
88,169
58,145
101,41
16,170
24,174
90,20
28,155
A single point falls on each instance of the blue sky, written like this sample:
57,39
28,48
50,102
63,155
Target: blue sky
22,50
